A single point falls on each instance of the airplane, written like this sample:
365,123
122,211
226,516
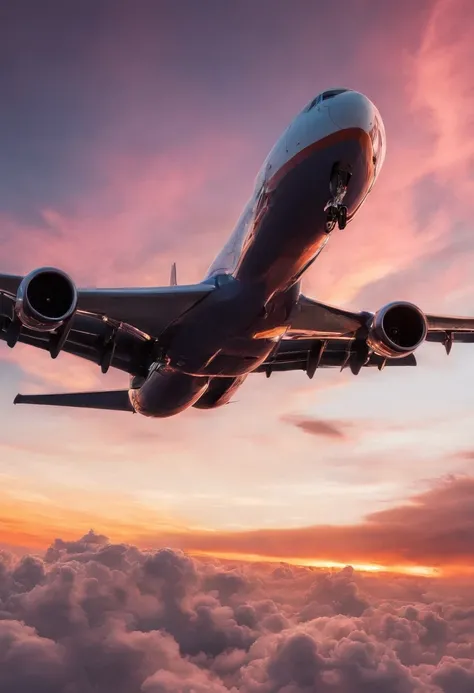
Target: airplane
194,345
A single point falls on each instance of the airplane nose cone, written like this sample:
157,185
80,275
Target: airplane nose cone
352,110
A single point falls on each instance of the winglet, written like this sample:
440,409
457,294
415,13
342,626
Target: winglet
174,276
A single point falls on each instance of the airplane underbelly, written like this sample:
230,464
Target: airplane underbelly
230,333
167,392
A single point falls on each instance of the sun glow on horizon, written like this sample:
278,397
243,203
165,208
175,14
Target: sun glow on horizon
415,570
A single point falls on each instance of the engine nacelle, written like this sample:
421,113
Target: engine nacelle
397,330
46,299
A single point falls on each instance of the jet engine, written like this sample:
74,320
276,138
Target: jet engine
46,299
397,330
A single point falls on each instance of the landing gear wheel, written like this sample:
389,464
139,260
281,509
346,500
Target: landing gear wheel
335,209
332,217
342,217
330,226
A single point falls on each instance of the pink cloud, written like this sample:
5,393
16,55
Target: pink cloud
126,234
127,231
152,208
432,105
114,618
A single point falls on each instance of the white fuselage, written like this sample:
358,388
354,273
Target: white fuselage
345,111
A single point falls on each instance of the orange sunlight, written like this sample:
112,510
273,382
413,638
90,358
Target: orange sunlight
418,570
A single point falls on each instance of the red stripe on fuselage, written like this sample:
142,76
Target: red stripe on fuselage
325,142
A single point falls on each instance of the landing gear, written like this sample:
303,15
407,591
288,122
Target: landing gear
336,211
331,218
336,215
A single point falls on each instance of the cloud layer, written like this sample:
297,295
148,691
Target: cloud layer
95,617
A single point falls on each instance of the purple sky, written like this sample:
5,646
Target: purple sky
130,138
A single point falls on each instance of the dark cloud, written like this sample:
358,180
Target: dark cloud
337,592
103,618
319,427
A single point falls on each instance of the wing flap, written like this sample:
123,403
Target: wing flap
87,339
294,355
459,337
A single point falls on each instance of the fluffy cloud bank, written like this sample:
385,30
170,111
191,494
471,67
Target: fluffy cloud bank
95,617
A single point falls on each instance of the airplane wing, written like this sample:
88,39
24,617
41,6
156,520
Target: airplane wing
324,336
318,320
448,329
111,327
89,338
149,310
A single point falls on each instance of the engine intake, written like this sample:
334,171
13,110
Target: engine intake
46,299
397,330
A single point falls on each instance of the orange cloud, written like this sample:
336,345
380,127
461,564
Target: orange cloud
149,210
432,531
31,514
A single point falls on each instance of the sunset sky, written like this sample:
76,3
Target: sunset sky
130,137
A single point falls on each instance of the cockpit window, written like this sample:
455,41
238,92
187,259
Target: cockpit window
324,96
333,92
312,104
